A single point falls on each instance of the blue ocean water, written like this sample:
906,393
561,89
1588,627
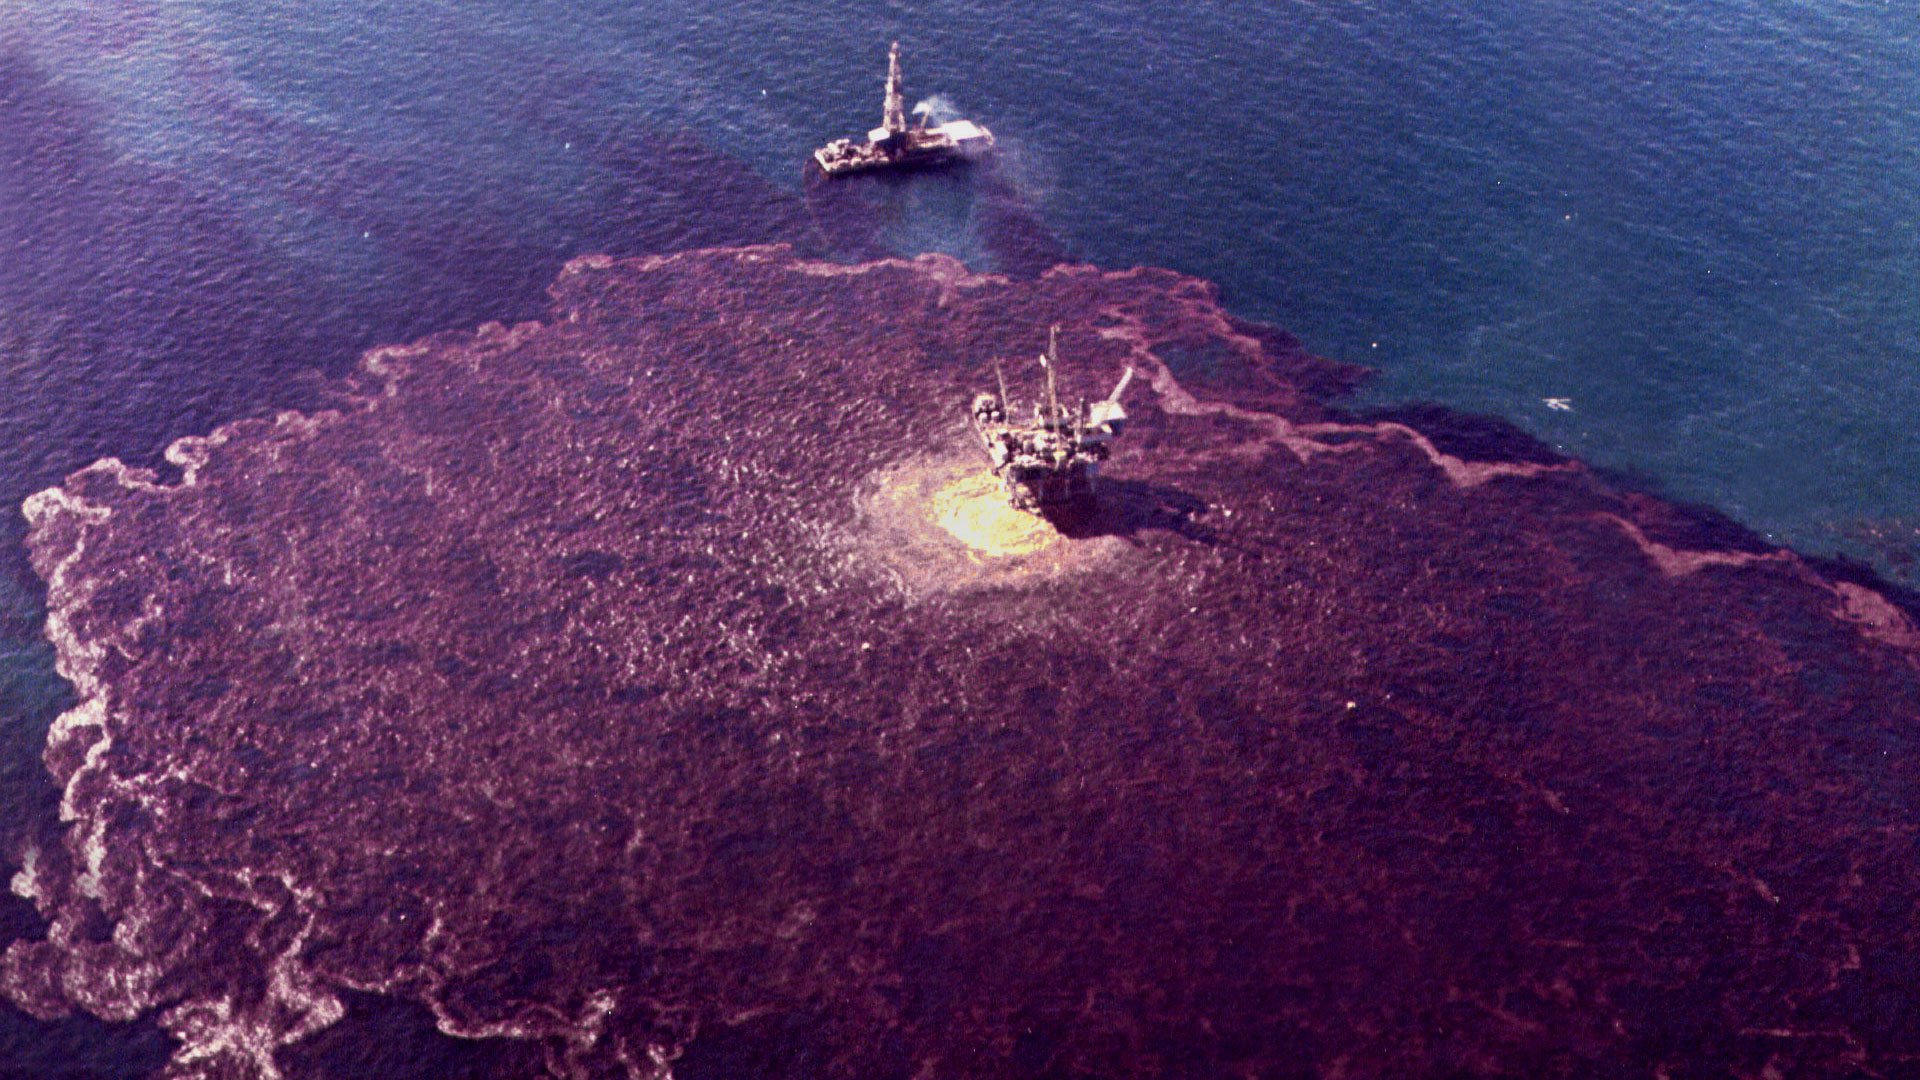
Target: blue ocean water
1697,223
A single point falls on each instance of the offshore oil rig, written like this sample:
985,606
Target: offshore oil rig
894,145
1049,464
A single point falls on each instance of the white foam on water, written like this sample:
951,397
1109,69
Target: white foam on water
26,882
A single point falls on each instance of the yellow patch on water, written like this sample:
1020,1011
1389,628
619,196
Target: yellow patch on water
935,525
974,509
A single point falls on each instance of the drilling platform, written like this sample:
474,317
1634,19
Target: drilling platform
895,145
1049,464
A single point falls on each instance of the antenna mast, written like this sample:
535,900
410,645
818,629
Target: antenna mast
1048,361
894,113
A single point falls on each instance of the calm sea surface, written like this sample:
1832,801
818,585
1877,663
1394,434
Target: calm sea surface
1696,226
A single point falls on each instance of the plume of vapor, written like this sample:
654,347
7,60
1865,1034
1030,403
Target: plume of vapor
938,109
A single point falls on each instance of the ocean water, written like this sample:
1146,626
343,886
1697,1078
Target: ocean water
1698,224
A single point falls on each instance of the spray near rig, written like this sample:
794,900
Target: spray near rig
1050,464
896,145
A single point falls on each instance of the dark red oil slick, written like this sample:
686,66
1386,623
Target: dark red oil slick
578,682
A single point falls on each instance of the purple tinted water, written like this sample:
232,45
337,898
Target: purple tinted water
619,683
1699,225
